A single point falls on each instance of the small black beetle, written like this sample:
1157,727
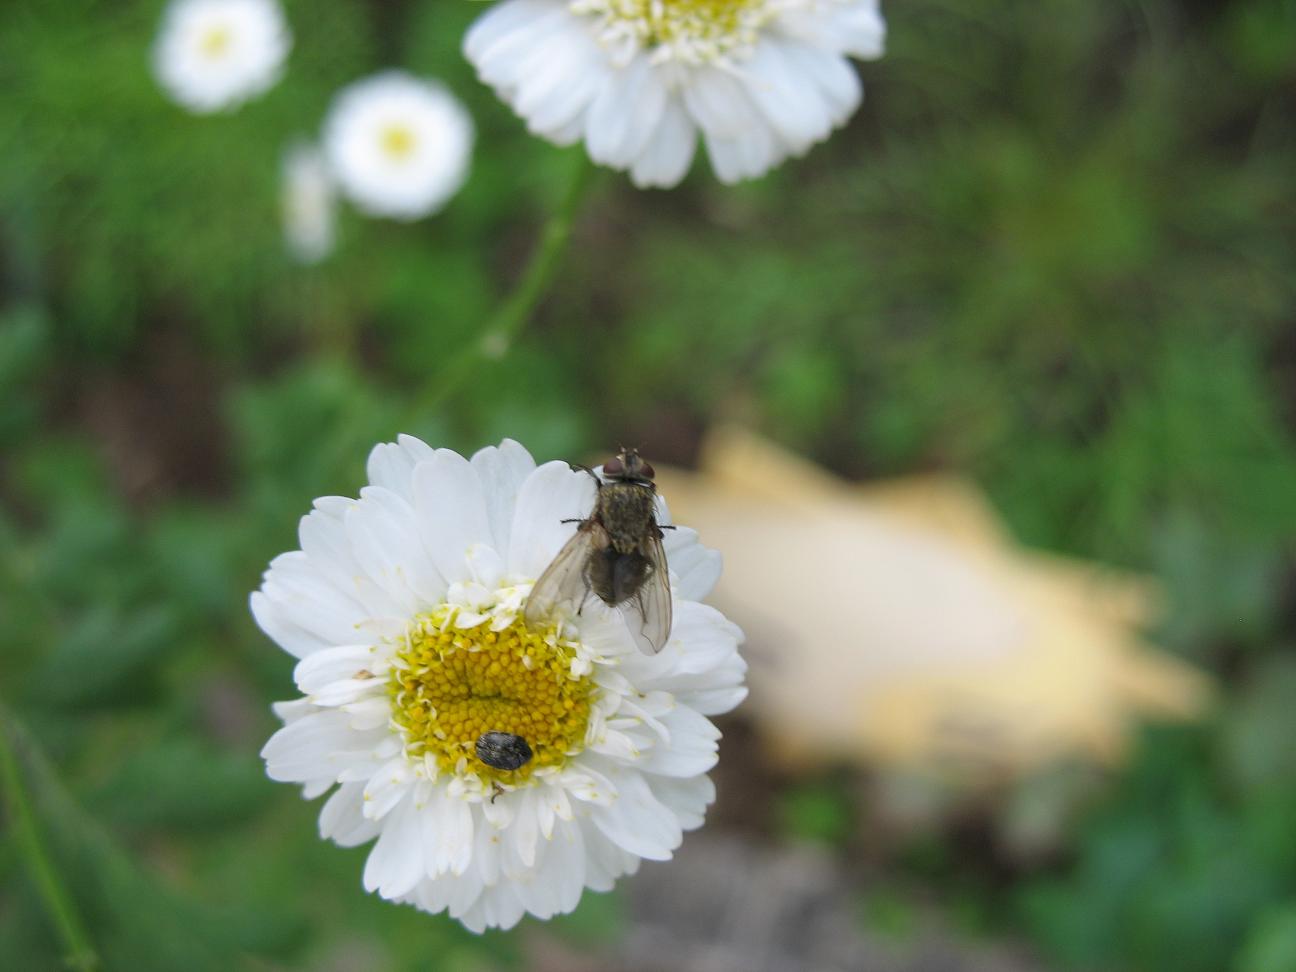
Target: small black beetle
503,750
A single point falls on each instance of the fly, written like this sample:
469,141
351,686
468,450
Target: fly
617,554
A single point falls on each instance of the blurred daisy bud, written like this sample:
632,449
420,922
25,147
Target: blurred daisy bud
399,146
500,765
638,80
216,54
308,204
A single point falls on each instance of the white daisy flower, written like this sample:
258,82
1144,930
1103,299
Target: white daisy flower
637,80
406,610
308,204
215,54
399,145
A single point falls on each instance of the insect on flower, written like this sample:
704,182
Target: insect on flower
503,750
617,554
497,767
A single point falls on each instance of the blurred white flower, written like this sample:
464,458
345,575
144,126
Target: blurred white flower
399,146
215,54
406,610
637,80
308,204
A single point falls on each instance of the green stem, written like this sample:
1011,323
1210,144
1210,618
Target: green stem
58,902
503,327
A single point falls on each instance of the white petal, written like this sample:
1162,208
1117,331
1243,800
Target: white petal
342,821
583,782
525,829
688,798
451,512
317,746
859,29
556,91
394,866
373,712
317,672
391,464
510,22
747,156
793,107
502,471
498,907
565,869
486,854
719,104
293,710
381,528
324,540
692,749
303,596
834,77
637,821
388,785
666,156
715,701
696,568
293,639
625,113
551,494
701,652
447,825
605,861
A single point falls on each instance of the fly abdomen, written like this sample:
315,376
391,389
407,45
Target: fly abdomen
628,575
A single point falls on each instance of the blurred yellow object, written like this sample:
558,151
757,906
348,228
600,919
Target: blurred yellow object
900,625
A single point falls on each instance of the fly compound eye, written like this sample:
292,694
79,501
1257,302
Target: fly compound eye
503,750
646,470
613,467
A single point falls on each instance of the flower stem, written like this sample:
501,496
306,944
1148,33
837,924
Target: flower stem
58,902
506,323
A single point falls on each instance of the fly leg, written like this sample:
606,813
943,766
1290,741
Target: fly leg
577,467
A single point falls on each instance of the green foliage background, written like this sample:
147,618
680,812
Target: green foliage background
1056,251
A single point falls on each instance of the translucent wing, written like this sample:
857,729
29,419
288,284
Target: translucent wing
563,584
648,613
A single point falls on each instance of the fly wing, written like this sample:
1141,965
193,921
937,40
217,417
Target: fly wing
563,583
648,613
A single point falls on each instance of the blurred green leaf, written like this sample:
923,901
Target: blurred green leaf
181,784
1271,946
100,656
816,812
890,916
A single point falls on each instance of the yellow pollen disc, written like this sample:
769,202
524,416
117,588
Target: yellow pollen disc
398,141
216,41
449,685
696,30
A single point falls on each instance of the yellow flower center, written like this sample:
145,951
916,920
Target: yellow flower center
450,685
690,30
216,41
398,141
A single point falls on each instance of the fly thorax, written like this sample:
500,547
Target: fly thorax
626,511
